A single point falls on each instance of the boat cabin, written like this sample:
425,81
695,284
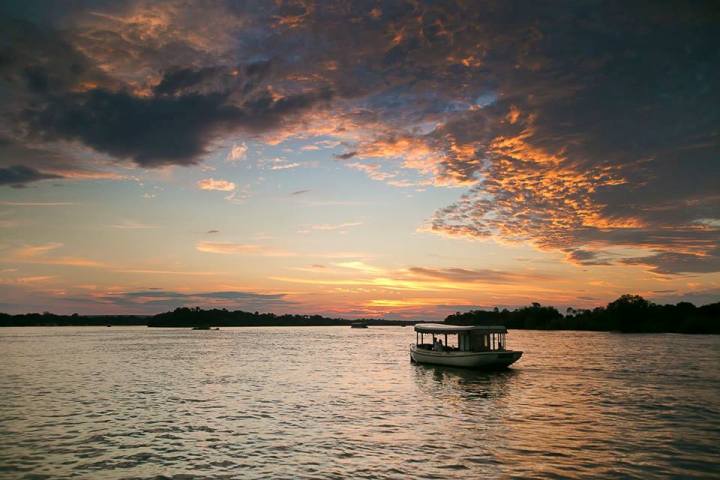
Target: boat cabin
460,338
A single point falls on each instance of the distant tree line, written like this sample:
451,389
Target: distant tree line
185,317
48,319
629,313
193,317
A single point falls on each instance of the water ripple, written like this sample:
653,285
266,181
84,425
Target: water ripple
138,403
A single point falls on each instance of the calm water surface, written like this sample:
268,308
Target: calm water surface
334,402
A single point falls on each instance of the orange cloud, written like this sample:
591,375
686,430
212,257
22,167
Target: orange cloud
228,248
219,185
416,302
32,251
38,254
237,152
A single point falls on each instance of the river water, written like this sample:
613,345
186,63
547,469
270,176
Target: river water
335,402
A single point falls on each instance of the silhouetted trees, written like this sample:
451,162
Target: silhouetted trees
47,319
197,317
629,313
194,317
184,317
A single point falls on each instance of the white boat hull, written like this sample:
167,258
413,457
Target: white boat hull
486,360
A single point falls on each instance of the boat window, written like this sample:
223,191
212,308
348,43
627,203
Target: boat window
452,341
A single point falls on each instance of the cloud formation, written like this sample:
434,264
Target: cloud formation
237,152
231,248
212,184
18,176
584,131
463,275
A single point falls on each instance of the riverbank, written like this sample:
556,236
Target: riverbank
628,314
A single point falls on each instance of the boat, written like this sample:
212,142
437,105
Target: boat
480,347
358,325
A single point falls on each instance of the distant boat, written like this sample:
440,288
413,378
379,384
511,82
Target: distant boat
358,325
201,327
476,346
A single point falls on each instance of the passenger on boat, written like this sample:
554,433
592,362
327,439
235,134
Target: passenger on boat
438,347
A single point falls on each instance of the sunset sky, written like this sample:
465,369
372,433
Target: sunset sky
404,160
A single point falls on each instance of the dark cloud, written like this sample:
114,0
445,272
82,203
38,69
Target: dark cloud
180,80
698,297
578,128
18,176
243,78
675,262
346,155
52,163
587,257
68,98
159,130
36,61
602,138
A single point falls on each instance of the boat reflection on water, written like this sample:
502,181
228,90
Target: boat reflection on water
443,381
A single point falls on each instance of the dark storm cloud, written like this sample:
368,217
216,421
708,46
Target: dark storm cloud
180,79
607,139
159,130
18,176
35,61
69,99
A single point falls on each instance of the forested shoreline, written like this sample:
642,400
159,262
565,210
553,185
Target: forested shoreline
629,313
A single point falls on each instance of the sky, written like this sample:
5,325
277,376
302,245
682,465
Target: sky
357,159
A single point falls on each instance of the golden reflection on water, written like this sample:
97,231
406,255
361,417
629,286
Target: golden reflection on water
335,403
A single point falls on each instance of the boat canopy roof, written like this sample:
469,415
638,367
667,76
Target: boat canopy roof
455,329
